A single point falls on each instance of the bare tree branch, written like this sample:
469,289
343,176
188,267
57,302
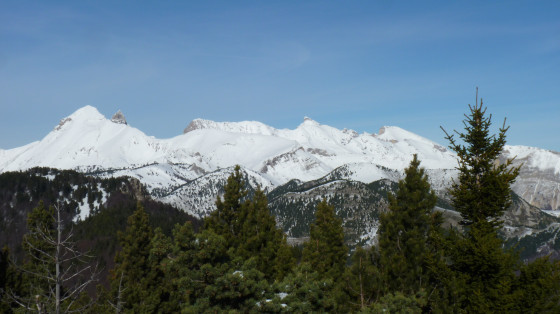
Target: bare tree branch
58,263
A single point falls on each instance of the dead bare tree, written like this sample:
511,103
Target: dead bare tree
119,304
65,270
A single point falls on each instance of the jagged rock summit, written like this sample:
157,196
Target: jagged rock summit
119,118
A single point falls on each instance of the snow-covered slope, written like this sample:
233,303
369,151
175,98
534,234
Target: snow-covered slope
539,177
170,168
85,139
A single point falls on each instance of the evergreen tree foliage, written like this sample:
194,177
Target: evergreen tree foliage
537,289
39,221
227,265
250,229
400,303
446,287
7,281
405,230
179,266
325,251
284,261
361,281
240,287
206,276
28,279
134,277
262,240
481,194
194,264
305,290
161,290
225,220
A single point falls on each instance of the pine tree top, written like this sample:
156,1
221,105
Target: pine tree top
482,192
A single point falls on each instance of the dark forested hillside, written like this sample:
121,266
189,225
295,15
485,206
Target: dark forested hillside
108,201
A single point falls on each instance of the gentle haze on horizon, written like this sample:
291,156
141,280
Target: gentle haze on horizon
348,64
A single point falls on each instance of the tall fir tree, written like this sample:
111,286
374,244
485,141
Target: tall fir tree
225,220
481,194
133,281
325,251
261,239
250,229
405,230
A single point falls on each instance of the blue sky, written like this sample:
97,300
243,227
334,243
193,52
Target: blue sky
349,64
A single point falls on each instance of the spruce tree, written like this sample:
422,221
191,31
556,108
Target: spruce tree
481,194
325,251
261,239
250,229
225,220
404,232
132,278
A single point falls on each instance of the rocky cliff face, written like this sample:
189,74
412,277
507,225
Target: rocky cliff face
119,118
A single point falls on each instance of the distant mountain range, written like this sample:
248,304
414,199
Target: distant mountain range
295,167
177,169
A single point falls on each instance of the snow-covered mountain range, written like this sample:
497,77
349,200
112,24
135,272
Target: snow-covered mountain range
187,170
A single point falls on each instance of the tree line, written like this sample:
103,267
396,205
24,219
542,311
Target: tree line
240,261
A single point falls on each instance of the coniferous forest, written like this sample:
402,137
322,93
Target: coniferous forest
237,260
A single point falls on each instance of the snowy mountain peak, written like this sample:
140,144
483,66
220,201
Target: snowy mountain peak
395,134
196,124
87,113
119,118
246,127
309,121
81,115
